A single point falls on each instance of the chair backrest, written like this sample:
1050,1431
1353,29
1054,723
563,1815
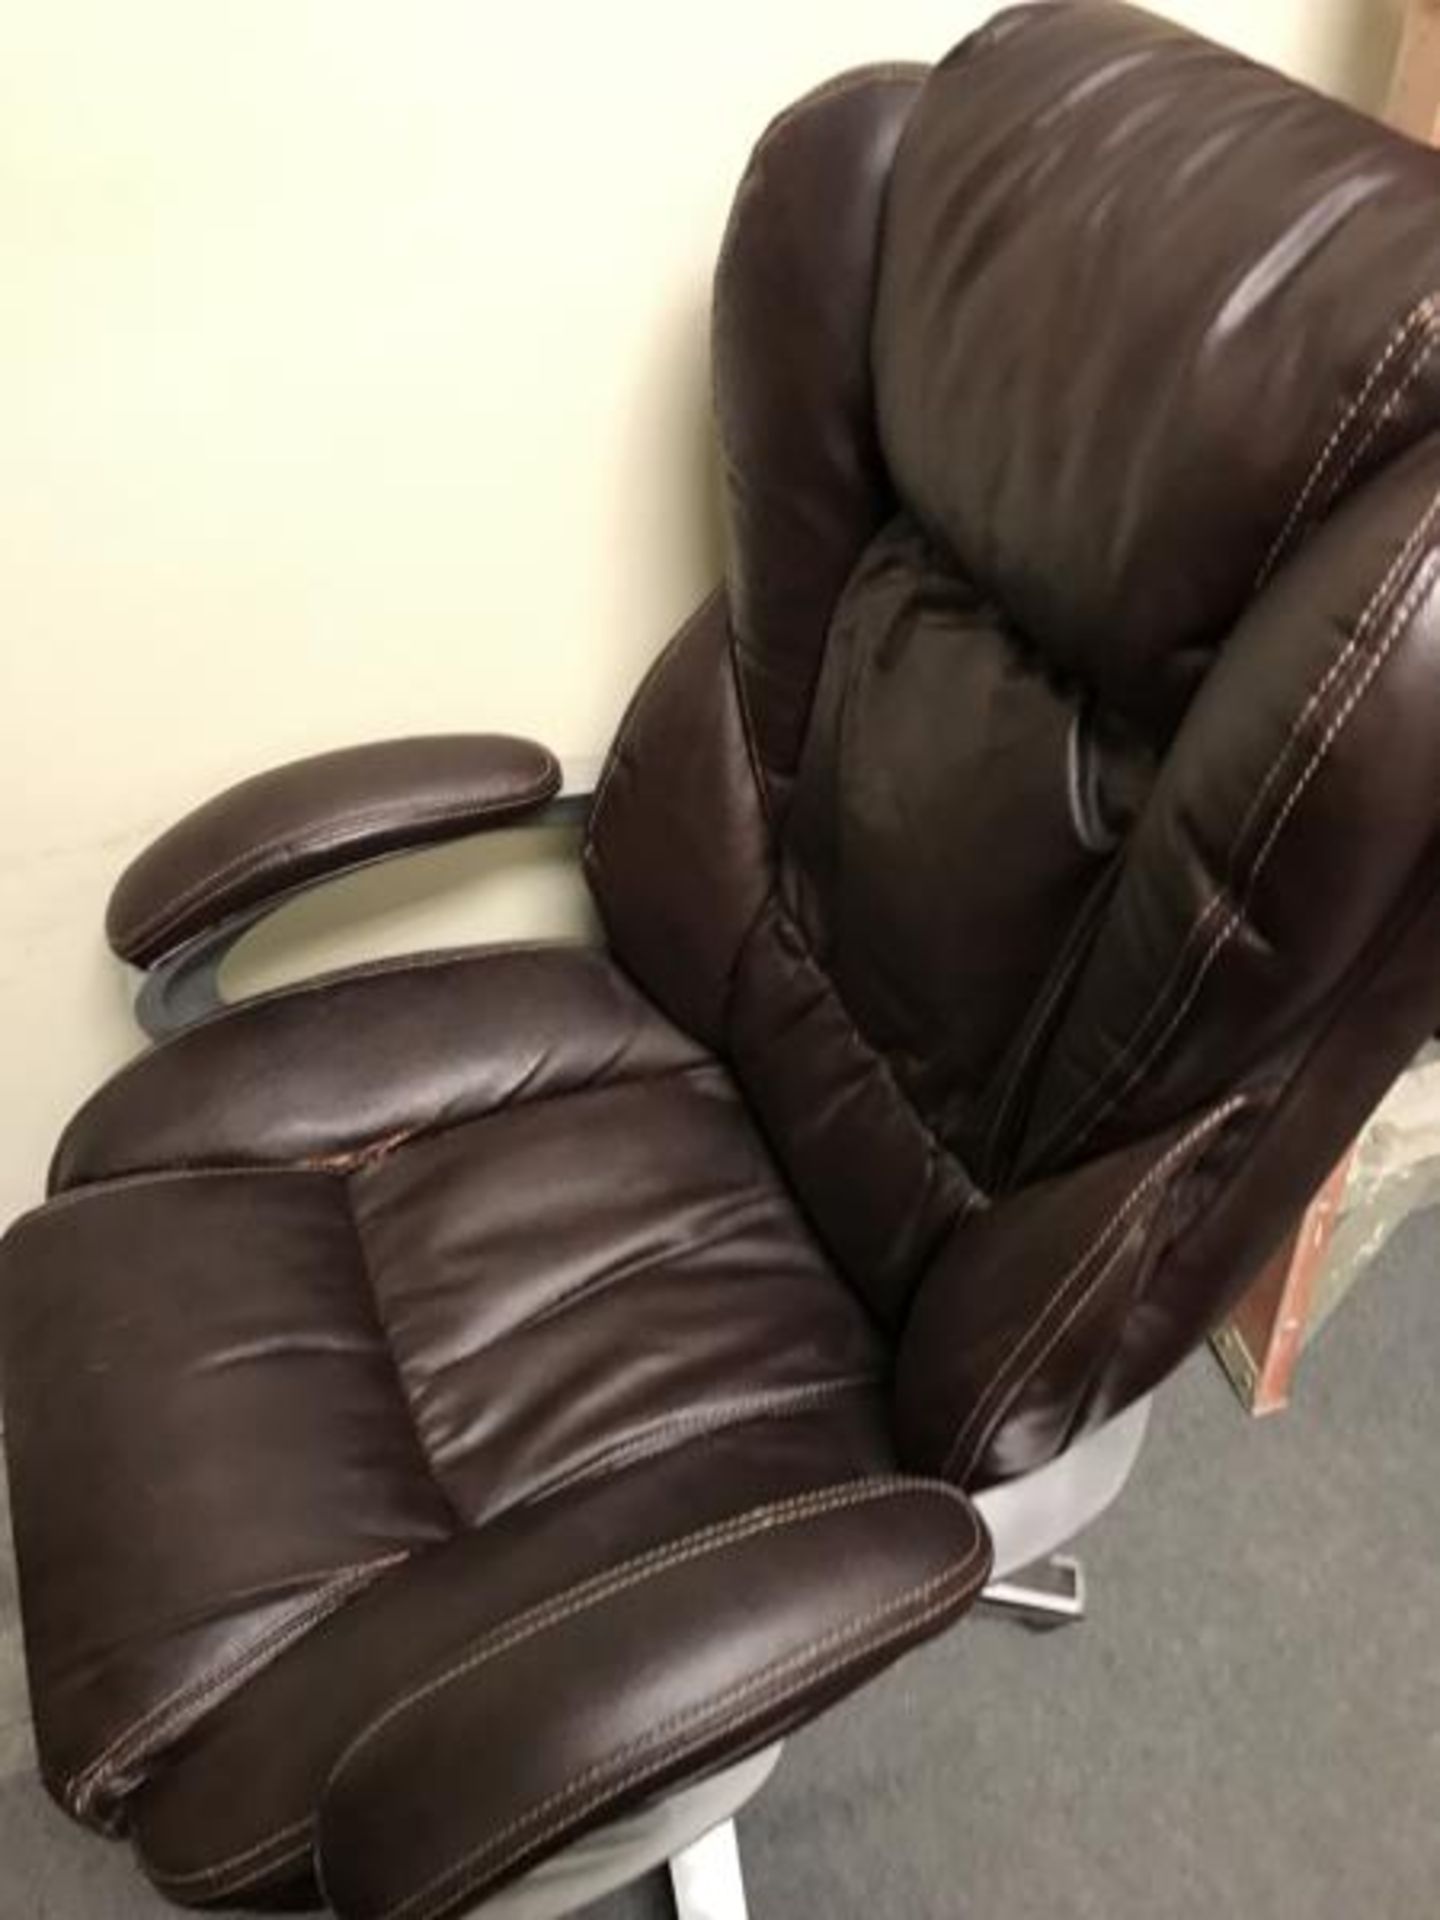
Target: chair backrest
1045,821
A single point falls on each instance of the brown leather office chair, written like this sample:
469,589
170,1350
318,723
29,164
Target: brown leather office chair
462,1412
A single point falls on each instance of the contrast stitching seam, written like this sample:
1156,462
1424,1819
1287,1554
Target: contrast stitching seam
780,1403
300,846
1223,934
150,1177
152,1726
155,1722
250,1859
1016,1356
1160,1005
633,1573
1235,919
355,1162
1338,664
667,1741
422,962
1422,315
554,1613
1423,355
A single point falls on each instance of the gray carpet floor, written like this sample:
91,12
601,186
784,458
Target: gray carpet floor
1246,1728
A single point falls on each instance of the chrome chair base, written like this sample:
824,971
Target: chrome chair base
1057,1601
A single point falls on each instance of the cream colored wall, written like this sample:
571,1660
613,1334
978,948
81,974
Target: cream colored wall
352,382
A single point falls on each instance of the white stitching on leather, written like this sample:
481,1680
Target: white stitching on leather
1077,1307
631,1573
1208,1124
1422,358
1424,580
798,1400
250,1859
1368,617
1139,1034
775,1403
1421,315
1419,591
176,1708
550,1613
297,846
704,1720
924,1603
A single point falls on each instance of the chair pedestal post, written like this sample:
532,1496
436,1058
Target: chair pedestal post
706,1877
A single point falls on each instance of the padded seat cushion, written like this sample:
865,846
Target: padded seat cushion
201,1413
673,1616
240,1394
350,1063
439,1350
665,1285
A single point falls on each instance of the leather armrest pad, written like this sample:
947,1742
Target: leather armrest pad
658,1671
278,830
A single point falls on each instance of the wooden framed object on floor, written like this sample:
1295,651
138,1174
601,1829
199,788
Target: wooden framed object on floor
1260,1343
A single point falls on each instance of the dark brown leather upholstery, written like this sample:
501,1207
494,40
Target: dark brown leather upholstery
497,1386
1115,800
805,486
502,1323
270,834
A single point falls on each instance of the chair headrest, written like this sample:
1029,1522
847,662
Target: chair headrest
1146,310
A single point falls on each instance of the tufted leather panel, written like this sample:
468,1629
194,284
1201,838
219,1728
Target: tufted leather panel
486,1375
280,1080
1116,765
1246,330
805,486
998,1361
710,1648
343,1375
1363,1039
940,975
681,794
381,1368
201,1413
199,1840
1287,819
667,1244
878,1184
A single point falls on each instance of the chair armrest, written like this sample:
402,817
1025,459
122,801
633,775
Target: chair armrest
656,1673
280,830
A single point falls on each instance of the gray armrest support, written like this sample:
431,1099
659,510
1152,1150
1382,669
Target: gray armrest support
261,840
